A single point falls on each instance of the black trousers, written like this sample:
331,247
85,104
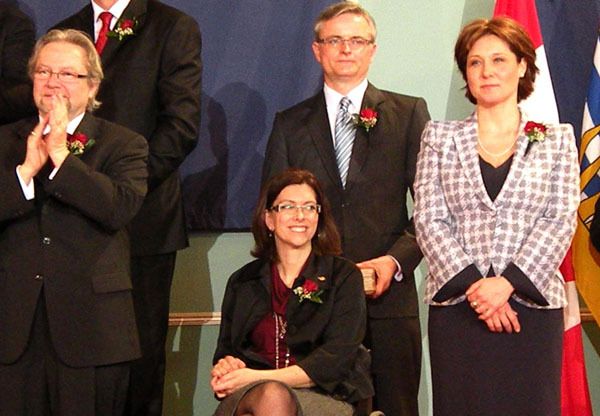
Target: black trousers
151,277
395,345
40,384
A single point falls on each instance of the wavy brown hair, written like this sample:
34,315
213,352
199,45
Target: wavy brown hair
326,240
510,32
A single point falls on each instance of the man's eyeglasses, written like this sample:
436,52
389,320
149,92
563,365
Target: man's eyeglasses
290,209
64,76
354,43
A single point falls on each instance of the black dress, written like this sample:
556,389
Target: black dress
476,372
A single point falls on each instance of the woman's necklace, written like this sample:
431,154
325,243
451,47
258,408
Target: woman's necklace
280,332
496,154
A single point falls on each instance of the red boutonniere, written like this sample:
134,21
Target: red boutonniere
123,29
535,132
367,118
309,290
78,143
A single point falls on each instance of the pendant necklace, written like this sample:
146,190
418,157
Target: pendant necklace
280,332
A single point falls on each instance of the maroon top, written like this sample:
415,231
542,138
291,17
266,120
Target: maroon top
263,335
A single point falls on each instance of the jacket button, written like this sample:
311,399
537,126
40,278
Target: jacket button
46,241
38,277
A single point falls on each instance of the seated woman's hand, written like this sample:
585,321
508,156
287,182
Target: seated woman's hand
504,320
226,365
233,380
487,295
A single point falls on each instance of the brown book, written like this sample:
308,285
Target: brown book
369,280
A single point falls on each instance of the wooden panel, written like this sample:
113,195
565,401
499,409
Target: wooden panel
214,318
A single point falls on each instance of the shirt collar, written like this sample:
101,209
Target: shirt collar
356,95
116,10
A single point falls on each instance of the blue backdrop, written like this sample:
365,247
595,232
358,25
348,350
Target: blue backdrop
257,60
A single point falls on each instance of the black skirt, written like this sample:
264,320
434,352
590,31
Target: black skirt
476,372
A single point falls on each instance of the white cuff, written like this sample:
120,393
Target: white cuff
28,189
398,276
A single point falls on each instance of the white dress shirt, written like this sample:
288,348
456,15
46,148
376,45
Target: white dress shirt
116,10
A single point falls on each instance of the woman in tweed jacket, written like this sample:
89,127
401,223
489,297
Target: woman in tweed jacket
496,197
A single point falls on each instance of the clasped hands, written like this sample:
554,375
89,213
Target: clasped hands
53,145
229,374
489,299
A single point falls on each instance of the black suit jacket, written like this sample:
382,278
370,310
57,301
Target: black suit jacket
324,338
17,37
152,84
371,212
71,241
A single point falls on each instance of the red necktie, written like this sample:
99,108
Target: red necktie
105,17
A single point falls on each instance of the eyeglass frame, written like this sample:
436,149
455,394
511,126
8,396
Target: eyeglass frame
37,74
338,41
291,209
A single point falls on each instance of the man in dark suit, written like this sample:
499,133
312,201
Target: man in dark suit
366,165
70,183
16,42
152,65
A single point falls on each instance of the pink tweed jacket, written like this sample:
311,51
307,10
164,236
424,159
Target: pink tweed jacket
530,223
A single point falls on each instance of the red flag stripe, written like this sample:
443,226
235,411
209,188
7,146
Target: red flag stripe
524,12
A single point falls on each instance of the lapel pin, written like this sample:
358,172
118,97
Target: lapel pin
321,278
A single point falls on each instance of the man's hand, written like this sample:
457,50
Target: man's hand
56,141
385,268
36,155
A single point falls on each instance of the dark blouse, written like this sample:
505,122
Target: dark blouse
494,178
263,335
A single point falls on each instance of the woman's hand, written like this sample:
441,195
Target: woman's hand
230,382
504,320
224,366
487,295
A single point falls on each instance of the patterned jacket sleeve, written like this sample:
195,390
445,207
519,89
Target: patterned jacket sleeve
544,248
445,256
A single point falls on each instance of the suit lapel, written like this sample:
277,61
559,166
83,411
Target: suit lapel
360,149
465,141
136,10
320,132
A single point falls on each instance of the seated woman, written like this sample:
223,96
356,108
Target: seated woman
293,320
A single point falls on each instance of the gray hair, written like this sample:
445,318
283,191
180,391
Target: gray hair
339,9
77,38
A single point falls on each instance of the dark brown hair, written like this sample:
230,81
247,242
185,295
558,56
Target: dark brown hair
510,32
326,240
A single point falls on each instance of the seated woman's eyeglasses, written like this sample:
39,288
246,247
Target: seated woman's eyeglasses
291,209
65,76
354,43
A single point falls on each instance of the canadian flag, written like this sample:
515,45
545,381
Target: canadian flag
541,105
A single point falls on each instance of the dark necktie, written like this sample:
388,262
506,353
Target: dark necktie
105,17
